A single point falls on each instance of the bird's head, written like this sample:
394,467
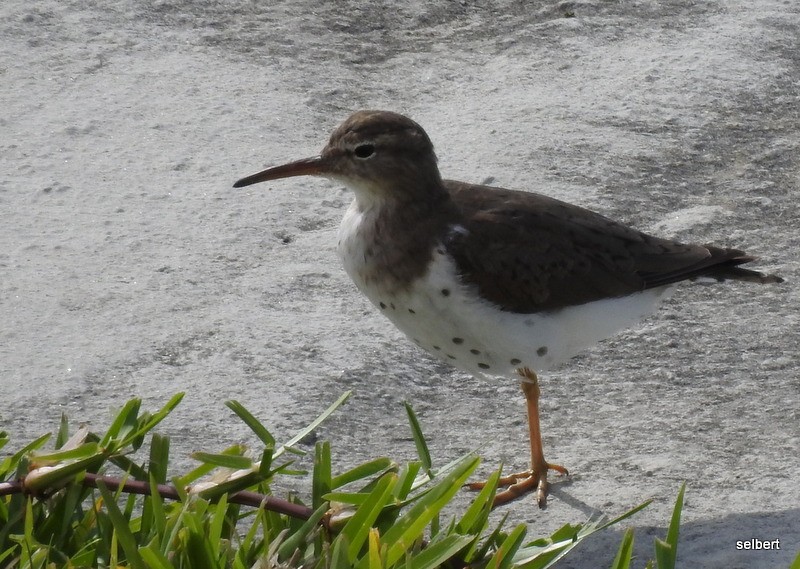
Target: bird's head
380,155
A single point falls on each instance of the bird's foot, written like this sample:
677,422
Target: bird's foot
520,483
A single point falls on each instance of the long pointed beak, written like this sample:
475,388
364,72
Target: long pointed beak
316,166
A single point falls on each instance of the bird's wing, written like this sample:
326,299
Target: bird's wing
530,253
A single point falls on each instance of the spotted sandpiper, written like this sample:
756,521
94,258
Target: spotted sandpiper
495,282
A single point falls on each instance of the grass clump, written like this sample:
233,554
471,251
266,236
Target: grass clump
87,503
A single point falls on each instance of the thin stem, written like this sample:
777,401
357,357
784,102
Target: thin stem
246,498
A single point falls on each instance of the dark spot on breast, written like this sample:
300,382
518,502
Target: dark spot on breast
458,340
411,311
382,305
541,352
445,292
392,305
515,361
484,366
474,351
436,348
452,357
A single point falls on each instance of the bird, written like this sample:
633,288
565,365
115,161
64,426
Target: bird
500,283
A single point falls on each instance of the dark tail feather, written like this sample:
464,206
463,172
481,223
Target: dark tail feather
720,265
730,270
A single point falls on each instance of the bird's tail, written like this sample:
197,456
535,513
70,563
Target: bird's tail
730,270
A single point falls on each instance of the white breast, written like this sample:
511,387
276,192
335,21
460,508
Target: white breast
450,321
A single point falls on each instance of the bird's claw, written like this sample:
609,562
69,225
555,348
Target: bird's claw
520,483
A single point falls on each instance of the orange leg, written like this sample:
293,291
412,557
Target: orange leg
534,479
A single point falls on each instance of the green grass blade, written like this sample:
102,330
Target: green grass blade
374,555
625,552
422,480
154,505
667,550
63,431
232,461
155,559
504,556
29,519
406,477
483,551
478,512
128,428
83,451
411,525
249,542
14,459
159,458
796,563
545,553
419,439
121,529
8,553
148,422
265,464
356,530
439,552
123,422
313,425
255,425
192,475
354,498
675,522
622,517
58,525
198,549
215,528
294,541
360,472
339,558
321,478
126,465
665,555
50,477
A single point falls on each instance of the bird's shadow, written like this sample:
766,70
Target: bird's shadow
558,486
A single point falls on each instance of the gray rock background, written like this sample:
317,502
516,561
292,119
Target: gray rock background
130,267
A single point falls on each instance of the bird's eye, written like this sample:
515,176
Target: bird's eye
364,151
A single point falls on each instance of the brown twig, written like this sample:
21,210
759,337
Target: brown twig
246,498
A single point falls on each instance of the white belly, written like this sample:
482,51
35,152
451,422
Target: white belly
449,320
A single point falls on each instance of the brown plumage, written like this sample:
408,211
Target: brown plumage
528,253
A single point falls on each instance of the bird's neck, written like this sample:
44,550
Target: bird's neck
389,243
